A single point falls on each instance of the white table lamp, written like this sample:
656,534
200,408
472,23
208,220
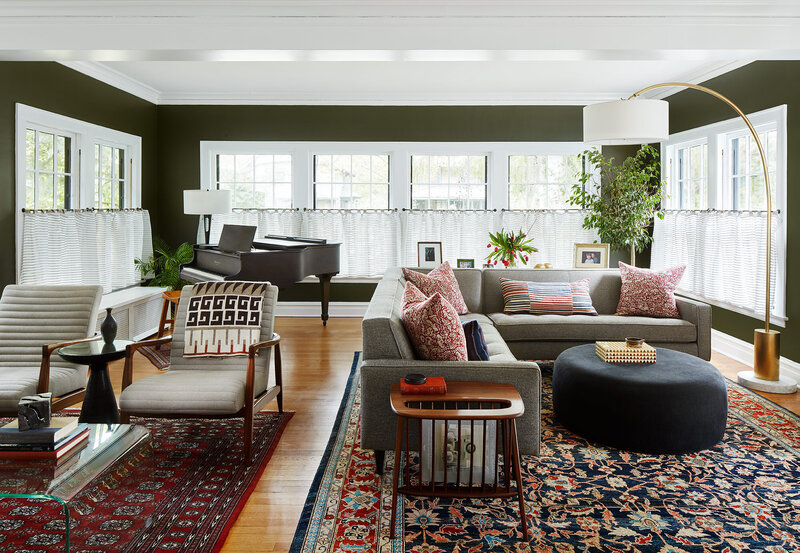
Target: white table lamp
207,203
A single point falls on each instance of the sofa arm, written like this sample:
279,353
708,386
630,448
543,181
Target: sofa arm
699,314
379,423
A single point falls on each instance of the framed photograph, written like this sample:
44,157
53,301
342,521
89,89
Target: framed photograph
429,254
591,256
465,263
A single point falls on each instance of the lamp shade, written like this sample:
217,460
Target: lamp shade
206,202
634,121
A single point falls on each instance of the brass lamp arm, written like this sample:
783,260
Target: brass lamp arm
764,166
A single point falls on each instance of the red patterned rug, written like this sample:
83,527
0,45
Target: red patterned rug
183,498
739,496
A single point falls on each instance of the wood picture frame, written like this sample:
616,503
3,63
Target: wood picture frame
591,256
429,254
465,263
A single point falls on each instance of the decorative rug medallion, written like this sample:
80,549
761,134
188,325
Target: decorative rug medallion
741,495
184,498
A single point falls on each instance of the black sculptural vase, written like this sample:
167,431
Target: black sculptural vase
108,328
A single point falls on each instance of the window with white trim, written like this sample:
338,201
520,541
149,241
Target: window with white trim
351,181
449,181
542,181
257,180
716,212
50,160
111,179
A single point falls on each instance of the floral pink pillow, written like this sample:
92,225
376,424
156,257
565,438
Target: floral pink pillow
441,280
647,292
433,326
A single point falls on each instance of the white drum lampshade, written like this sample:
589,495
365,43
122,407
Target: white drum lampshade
634,121
207,203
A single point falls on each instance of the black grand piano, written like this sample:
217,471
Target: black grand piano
281,260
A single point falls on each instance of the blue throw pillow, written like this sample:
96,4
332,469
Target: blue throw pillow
476,342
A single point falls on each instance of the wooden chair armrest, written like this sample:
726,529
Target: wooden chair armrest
253,350
47,352
130,349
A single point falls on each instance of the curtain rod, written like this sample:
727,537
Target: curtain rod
341,210
84,210
555,210
742,211
270,209
450,210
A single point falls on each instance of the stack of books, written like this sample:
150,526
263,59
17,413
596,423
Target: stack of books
61,441
620,352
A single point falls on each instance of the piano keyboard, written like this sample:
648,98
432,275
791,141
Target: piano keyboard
196,275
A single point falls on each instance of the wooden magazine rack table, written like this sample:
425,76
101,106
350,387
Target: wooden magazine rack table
461,435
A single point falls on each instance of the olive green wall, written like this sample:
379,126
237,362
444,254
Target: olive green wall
755,87
54,87
181,128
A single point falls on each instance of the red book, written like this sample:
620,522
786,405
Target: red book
78,442
434,386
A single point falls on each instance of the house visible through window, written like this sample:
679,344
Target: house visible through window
261,181
542,181
48,169
448,181
343,181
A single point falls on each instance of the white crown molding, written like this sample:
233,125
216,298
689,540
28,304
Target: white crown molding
114,78
696,77
393,99
742,351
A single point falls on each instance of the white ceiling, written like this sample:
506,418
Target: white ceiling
397,52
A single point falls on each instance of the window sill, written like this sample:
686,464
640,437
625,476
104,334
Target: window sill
774,319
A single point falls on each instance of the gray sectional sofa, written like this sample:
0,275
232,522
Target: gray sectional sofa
513,341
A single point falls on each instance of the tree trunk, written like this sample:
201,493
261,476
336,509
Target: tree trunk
633,256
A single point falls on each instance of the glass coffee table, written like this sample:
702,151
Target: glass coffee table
109,444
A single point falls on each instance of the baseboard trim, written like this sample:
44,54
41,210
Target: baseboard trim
742,352
313,309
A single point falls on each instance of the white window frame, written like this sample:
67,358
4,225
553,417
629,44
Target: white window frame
302,153
552,148
129,188
719,194
85,136
673,189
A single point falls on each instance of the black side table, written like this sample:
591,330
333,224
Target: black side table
99,403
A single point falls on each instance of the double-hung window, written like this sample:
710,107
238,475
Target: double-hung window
50,162
716,212
257,180
351,181
449,181
542,181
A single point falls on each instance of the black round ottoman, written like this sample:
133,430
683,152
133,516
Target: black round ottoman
677,405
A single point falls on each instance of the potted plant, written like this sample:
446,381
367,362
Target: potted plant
510,248
630,196
164,266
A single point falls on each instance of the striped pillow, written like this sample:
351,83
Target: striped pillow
476,341
543,298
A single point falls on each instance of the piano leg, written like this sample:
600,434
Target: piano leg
325,288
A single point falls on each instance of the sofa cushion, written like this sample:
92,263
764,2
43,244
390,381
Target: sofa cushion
648,292
531,328
539,298
433,326
441,280
476,343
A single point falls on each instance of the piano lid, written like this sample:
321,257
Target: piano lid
276,242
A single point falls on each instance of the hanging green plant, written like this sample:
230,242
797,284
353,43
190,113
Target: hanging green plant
622,209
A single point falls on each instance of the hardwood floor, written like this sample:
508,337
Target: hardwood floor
316,364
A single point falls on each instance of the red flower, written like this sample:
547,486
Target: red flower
526,258
495,262
495,249
488,245
505,262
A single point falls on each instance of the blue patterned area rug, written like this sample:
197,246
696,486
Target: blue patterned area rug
742,495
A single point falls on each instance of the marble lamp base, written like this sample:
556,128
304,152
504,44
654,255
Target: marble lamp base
783,385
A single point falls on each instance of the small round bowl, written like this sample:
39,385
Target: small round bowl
633,342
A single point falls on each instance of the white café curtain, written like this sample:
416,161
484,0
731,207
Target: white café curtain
84,247
725,256
373,241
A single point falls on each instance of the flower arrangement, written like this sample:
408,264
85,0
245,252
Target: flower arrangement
509,248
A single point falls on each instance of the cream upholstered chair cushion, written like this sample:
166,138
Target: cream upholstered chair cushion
35,316
201,385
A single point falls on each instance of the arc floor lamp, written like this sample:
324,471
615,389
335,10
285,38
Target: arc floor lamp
640,121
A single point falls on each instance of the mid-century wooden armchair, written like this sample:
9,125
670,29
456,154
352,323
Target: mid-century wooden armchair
34,322
207,387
